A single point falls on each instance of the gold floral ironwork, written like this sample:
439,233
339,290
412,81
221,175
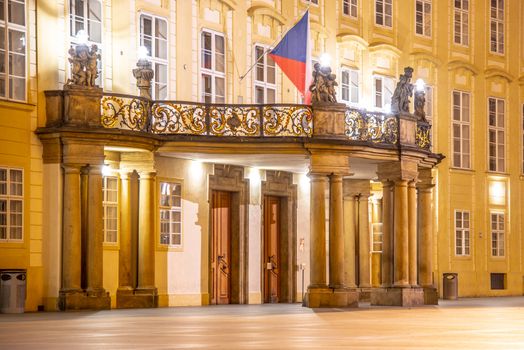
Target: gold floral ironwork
287,120
178,118
423,135
124,112
371,127
234,120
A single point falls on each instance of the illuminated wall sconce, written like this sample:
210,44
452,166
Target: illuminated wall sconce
106,170
196,170
325,60
497,192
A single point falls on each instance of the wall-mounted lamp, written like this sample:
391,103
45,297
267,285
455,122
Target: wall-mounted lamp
325,60
420,85
82,37
143,73
420,99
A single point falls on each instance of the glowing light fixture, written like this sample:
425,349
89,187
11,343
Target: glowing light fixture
325,60
420,85
254,175
82,37
387,108
106,170
497,192
196,169
304,182
143,53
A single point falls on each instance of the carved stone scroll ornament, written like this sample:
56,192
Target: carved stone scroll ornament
84,65
403,92
323,86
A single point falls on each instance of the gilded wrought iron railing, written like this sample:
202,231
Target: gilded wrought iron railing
423,135
372,127
187,118
124,112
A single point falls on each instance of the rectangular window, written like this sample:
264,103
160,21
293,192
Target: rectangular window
350,8
213,67
497,26
496,134
349,86
461,130
461,22
13,39
265,76
171,213
110,205
383,91
462,230
11,204
377,237
423,17
497,234
153,36
498,280
384,13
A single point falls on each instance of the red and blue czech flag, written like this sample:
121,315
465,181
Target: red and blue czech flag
293,56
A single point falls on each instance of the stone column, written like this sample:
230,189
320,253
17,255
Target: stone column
401,234
349,241
317,255
146,236
71,231
336,233
363,242
125,281
95,231
387,234
426,233
413,246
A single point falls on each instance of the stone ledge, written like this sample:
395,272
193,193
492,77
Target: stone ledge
80,300
329,297
406,297
136,299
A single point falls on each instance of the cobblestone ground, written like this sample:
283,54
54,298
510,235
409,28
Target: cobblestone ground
487,323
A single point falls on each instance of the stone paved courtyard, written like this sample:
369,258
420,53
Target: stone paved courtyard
487,323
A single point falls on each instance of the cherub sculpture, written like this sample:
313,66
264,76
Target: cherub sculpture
84,69
323,86
92,66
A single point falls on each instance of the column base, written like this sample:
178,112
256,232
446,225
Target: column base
331,297
82,300
364,294
396,296
136,298
430,296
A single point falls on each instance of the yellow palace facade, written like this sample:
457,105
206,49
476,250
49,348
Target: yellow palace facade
223,188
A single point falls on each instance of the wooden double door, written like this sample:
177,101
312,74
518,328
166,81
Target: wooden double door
221,267
272,265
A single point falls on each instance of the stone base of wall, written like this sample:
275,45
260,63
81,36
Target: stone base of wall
82,300
364,294
331,297
430,296
406,297
136,298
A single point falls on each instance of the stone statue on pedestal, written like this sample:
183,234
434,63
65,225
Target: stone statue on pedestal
323,86
84,65
420,101
403,91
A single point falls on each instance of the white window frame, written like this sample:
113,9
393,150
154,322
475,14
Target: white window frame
107,204
264,84
7,75
423,19
350,8
385,95
499,132
461,22
384,5
213,73
462,232
171,210
350,86
496,26
8,197
498,233
156,61
463,125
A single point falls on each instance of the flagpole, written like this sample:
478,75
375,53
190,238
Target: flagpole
272,44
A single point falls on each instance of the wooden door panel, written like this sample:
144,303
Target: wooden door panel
271,249
221,247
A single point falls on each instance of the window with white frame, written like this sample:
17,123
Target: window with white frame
170,213
11,204
462,230
153,36
461,130
265,76
13,39
384,13
497,26
213,67
110,205
350,8
497,233
376,237
496,134
349,85
461,22
423,17
383,91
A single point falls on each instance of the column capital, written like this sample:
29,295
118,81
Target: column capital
146,174
124,174
95,169
72,168
404,169
357,187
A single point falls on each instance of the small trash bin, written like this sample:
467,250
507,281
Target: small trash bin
12,291
450,286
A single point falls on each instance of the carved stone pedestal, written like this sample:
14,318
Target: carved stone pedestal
331,297
430,296
136,298
364,294
397,297
80,300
